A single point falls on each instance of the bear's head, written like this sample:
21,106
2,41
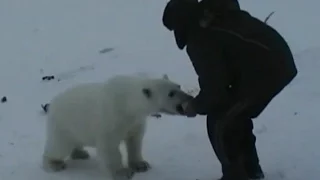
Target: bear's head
165,96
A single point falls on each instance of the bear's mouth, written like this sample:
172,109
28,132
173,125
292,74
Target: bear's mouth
165,111
179,109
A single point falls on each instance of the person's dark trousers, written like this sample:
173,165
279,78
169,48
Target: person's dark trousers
240,148
251,159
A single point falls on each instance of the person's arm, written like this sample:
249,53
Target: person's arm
211,68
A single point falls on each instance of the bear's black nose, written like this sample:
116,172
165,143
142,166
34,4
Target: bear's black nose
179,109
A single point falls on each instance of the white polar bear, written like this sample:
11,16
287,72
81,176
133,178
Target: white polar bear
101,115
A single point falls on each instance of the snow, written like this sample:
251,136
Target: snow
64,38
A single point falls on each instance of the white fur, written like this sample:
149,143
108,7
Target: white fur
101,115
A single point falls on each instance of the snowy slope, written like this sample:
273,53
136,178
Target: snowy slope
64,38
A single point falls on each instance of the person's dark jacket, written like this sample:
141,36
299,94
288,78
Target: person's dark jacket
236,56
220,6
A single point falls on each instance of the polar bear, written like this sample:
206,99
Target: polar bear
102,115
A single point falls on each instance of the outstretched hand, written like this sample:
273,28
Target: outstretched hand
188,109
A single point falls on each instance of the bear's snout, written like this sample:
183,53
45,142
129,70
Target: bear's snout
186,97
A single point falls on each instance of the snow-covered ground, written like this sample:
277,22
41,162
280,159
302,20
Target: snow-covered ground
91,40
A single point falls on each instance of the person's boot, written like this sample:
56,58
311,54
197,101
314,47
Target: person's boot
255,173
236,171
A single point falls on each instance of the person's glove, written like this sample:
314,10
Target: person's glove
188,109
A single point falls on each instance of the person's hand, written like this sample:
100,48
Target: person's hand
188,109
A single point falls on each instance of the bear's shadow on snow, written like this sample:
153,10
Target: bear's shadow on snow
84,169
88,168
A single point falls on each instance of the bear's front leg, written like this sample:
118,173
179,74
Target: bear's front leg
134,148
110,156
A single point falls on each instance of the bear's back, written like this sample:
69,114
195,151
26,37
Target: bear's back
127,93
81,93
76,103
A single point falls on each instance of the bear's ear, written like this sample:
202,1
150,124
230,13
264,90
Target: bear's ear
165,76
147,92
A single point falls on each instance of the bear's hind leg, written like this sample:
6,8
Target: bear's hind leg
134,148
79,154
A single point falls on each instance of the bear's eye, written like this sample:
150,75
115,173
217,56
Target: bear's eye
172,94
147,92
